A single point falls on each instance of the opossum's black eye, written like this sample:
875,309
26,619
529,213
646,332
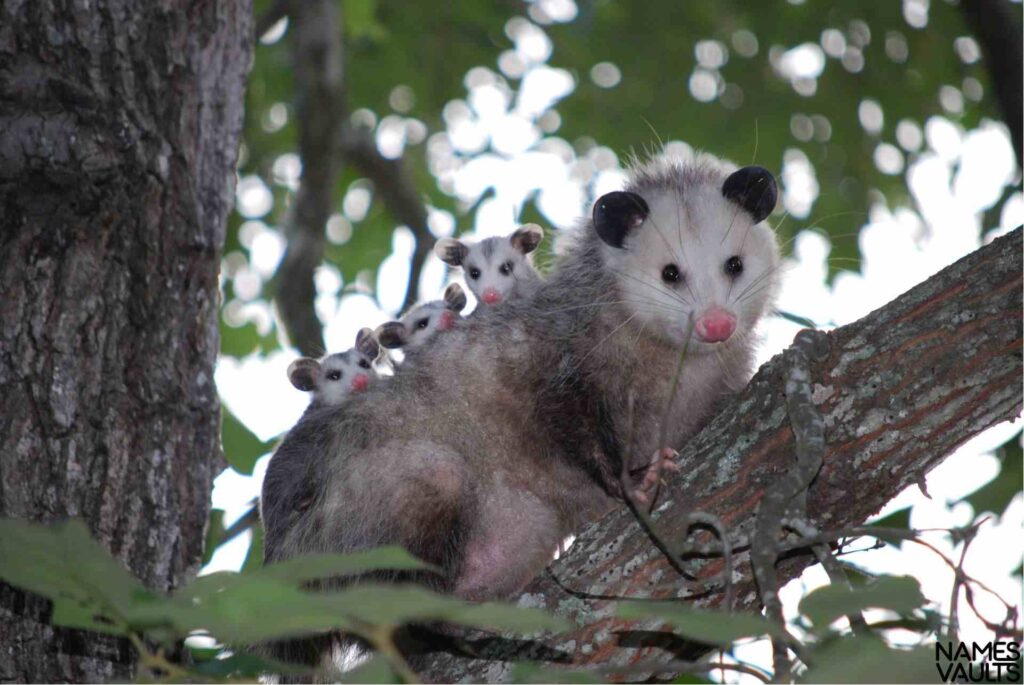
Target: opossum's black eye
670,274
334,375
734,266
506,268
422,323
474,273
364,364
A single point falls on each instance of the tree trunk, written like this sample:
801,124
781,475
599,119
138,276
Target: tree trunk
900,390
119,128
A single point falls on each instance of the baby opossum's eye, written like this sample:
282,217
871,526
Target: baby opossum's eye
734,266
364,364
506,268
422,323
474,273
334,375
670,274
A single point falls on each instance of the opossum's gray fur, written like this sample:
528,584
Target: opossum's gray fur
482,453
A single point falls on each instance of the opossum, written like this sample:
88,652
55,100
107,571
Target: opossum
336,376
517,431
424,321
497,269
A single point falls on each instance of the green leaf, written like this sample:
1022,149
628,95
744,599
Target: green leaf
826,604
897,519
997,494
535,673
394,605
238,609
254,557
709,627
867,660
241,448
63,563
214,531
238,342
316,567
797,319
375,670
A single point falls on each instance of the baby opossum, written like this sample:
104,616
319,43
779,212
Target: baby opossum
424,321
514,433
336,376
497,269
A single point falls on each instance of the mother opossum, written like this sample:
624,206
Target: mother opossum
489,447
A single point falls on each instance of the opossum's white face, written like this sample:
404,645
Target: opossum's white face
496,269
423,322
343,374
426,321
695,258
336,376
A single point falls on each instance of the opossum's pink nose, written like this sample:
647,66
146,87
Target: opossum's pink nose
492,296
446,320
715,325
360,382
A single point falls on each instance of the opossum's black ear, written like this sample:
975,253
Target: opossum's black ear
392,334
618,213
451,251
527,238
366,343
455,297
303,373
754,188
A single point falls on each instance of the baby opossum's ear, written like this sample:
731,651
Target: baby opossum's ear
527,238
754,188
618,213
392,334
303,373
366,343
451,251
455,297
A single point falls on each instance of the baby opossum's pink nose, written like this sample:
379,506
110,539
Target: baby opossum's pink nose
492,296
446,320
715,325
360,382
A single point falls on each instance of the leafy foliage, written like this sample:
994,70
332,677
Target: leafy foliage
996,495
91,590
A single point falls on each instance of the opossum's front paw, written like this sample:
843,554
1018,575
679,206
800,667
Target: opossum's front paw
663,460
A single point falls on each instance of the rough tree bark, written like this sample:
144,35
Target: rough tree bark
900,389
119,127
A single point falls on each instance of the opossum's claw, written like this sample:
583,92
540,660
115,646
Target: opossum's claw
663,460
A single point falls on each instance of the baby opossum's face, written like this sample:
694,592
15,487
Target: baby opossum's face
424,321
692,250
494,266
336,376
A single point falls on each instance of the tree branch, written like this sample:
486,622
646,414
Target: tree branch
899,390
391,179
320,104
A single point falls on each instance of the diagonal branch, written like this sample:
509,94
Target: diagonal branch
900,389
391,179
320,103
